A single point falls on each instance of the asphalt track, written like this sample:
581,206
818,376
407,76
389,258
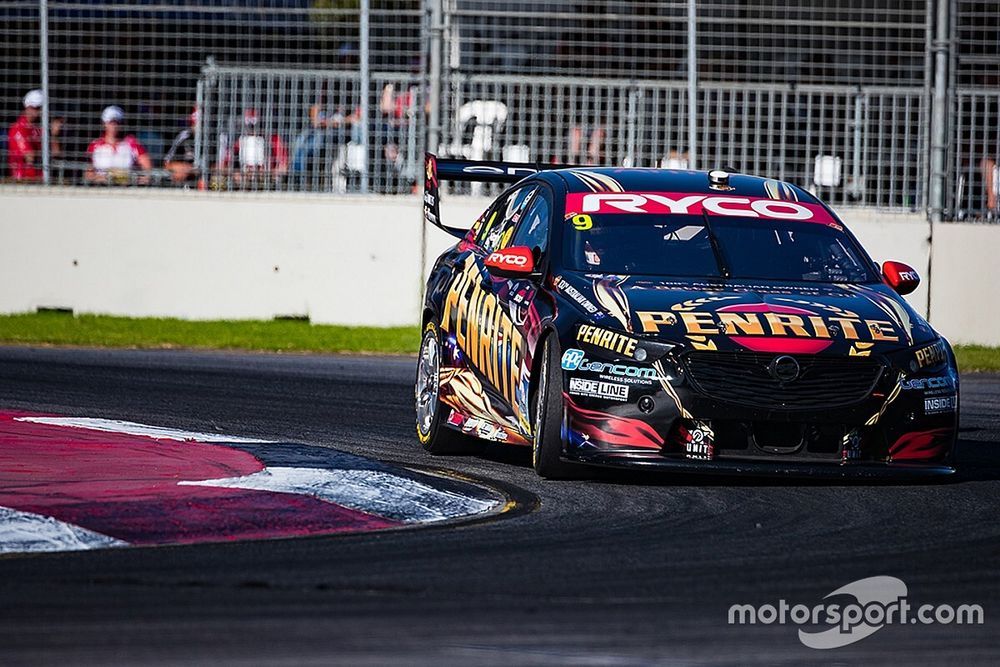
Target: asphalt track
617,570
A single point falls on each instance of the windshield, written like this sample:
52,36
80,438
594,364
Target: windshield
682,245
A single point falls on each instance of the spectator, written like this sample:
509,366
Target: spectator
396,111
24,141
991,180
585,140
326,132
253,154
56,126
594,154
113,159
151,140
180,158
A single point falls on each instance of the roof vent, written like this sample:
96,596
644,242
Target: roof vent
718,179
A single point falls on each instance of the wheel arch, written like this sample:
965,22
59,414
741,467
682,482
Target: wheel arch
428,315
548,330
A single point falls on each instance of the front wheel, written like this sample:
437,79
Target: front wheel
434,435
547,441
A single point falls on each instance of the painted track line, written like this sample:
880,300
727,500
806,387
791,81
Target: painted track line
26,531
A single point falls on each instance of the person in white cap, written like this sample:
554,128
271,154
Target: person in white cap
113,158
24,141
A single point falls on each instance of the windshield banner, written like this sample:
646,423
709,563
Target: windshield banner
681,203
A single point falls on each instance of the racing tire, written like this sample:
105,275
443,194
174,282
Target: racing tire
548,408
434,435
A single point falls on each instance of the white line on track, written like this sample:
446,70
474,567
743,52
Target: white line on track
372,491
22,532
132,428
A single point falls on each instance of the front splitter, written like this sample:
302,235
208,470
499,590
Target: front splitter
768,468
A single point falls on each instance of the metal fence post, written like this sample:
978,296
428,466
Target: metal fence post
434,74
365,86
858,129
692,85
43,41
939,120
199,134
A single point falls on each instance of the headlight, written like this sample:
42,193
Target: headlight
923,359
609,342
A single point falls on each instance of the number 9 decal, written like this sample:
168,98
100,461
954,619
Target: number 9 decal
582,222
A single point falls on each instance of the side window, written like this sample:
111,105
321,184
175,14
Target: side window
487,220
534,228
500,221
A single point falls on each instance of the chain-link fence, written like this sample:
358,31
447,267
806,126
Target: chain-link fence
882,103
278,78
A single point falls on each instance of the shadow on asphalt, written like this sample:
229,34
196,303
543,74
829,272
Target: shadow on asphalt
975,460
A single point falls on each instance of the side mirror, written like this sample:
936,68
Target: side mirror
513,262
900,277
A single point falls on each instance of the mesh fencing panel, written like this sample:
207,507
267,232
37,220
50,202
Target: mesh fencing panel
831,42
974,175
834,95
285,71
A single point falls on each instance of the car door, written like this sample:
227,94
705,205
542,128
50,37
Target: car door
516,296
478,320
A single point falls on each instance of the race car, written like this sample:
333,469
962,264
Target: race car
694,321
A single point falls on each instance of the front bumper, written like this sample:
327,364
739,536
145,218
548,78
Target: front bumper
901,428
764,468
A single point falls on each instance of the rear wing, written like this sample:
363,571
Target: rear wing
438,169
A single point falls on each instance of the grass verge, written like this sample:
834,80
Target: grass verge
273,336
977,358
157,333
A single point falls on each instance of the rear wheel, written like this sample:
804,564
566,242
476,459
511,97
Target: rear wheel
434,435
547,441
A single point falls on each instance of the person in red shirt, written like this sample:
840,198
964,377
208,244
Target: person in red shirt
257,157
24,141
113,159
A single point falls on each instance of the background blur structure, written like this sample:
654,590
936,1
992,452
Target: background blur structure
891,104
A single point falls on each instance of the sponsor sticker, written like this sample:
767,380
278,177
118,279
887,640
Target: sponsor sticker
932,355
598,389
489,431
575,359
456,419
763,320
699,442
605,338
940,404
686,203
573,293
935,384
852,446
572,358
478,427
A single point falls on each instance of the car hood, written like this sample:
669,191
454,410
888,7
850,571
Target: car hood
760,316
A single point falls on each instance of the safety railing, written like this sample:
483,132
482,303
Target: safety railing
863,146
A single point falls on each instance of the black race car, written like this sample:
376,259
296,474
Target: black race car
688,320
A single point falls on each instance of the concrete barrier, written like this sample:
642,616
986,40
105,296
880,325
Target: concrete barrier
965,293
346,261
341,260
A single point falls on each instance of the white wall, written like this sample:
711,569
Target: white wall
965,293
901,237
187,255
342,260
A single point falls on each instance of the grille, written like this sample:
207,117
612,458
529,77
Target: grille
743,378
